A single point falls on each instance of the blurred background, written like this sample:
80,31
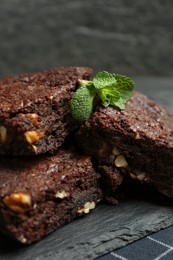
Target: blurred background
129,37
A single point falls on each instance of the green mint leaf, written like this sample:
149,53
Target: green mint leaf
125,86
109,96
81,104
118,93
112,89
103,79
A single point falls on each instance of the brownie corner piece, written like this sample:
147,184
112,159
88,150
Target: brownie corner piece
137,141
34,111
38,195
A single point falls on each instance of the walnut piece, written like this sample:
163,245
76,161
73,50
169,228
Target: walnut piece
133,176
33,136
141,176
87,207
18,202
3,134
35,149
33,116
121,162
137,136
61,194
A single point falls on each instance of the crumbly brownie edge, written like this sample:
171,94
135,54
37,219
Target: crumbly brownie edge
40,194
40,122
146,157
48,216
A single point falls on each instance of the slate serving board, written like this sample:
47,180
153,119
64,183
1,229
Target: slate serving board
140,213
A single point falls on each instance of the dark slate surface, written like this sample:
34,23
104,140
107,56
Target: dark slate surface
129,37
105,229
141,212
153,247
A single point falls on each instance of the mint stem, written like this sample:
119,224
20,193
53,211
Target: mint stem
83,82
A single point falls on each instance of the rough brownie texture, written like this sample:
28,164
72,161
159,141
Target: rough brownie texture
7,80
137,141
34,113
111,178
40,194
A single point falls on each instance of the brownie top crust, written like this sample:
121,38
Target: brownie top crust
142,118
138,141
20,91
4,80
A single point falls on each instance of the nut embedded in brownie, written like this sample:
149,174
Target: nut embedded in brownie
137,141
34,113
40,194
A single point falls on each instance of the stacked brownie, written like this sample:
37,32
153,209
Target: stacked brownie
135,142
34,114
44,181
42,185
40,194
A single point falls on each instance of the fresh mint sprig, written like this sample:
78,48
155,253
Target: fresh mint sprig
112,89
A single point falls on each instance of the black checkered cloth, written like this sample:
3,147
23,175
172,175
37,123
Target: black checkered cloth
154,247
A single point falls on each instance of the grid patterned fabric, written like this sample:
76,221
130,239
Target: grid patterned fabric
154,247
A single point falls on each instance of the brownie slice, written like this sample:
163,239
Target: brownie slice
34,113
40,194
7,80
137,141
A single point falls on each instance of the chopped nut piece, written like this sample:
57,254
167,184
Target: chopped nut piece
61,194
133,176
3,134
87,207
22,239
32,116
115,151
35,149
120,161
137,136
33,136
141,176
35,206
18,202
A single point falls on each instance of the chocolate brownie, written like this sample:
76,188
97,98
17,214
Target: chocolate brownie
7,80
34,113
137,141
39,194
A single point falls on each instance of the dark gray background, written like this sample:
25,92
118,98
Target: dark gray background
129,37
